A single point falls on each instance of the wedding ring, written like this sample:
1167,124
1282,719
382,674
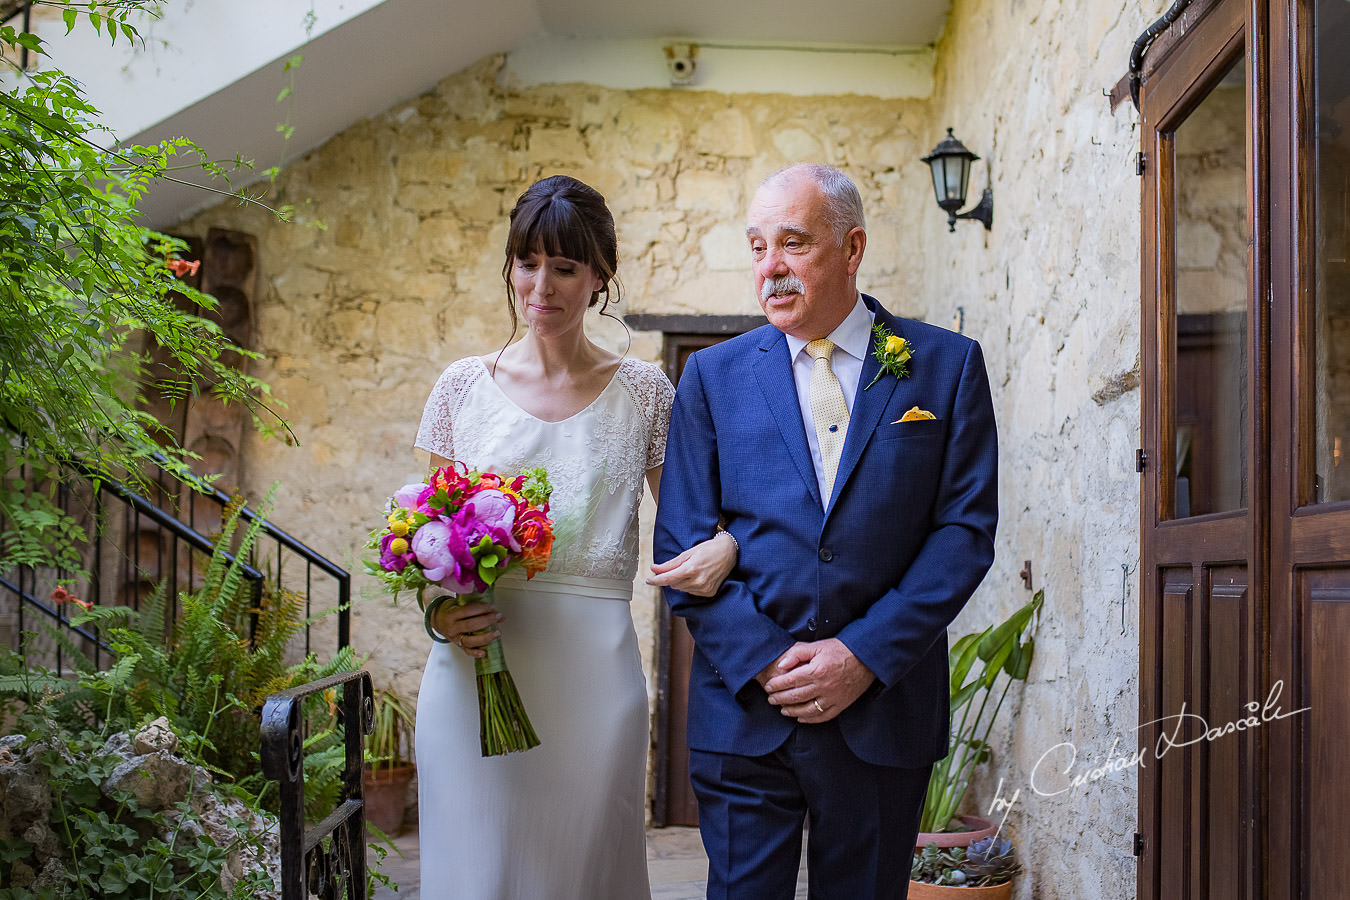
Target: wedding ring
819,708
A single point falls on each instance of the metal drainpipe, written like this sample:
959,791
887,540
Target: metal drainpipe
27,27
1145,40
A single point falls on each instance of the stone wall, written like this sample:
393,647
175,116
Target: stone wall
1053,294
356,320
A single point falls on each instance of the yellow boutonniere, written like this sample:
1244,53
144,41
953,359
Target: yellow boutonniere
893,352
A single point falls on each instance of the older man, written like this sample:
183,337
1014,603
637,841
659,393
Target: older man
853,456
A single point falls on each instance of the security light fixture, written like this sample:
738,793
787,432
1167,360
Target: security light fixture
950,165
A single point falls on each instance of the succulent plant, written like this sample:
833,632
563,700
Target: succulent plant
991,861
987,862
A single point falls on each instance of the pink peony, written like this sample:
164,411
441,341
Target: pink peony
432,545
493,508
406,496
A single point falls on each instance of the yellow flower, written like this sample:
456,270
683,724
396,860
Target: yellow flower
398,527
895,345
398,545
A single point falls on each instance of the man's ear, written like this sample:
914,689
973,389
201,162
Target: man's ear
855,242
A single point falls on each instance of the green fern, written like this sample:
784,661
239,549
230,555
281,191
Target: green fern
208,671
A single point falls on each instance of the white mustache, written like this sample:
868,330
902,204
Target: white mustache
784,284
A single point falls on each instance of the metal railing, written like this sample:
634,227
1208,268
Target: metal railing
163,537
327,861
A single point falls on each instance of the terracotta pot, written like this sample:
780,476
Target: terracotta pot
979,830
922,890
386,796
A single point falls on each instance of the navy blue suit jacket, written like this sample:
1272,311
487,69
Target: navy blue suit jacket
885,567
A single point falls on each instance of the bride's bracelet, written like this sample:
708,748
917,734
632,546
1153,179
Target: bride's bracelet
735,543
431,611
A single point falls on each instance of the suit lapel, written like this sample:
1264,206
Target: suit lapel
869,404
773,372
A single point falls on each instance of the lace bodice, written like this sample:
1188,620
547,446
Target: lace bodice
596,458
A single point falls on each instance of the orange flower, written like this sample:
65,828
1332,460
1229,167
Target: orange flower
536,542
61,595
182,268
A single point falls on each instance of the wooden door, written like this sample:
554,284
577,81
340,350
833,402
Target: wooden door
1204,506
1310,440
1245,514
673,800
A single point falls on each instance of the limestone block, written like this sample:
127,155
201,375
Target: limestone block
560,146
702,190
426,198
726,133
725,248
798,145
651,130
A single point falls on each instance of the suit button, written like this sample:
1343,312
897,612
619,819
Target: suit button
825,554
810,624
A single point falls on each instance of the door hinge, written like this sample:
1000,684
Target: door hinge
1140,460
1138,844
1139,163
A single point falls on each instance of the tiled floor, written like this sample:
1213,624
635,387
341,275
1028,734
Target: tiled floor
675,860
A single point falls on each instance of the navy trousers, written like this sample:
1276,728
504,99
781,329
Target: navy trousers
863,820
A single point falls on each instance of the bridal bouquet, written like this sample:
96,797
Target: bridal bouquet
461,531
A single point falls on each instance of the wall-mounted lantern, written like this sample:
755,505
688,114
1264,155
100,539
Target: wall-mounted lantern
950,164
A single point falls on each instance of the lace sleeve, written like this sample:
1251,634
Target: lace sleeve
435,434
653,395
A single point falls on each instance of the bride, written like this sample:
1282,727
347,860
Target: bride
564,820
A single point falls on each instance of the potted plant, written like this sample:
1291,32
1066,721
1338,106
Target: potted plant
983,870
983,667
389,761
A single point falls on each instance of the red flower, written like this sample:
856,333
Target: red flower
61,595
182,268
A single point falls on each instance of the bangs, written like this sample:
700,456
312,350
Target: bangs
554,227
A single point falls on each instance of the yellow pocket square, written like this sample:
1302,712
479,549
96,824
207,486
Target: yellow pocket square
914,415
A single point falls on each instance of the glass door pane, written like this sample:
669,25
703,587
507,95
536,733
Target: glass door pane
1210,234
1332,251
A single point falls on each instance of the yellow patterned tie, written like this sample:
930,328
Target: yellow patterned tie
829,410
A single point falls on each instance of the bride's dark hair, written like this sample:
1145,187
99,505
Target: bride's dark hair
560,216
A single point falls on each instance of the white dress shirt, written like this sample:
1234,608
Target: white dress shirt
852,339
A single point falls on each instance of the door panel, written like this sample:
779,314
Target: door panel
1326,599
1226,760
1201,512
1309,621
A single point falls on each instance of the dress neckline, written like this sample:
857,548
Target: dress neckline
524,412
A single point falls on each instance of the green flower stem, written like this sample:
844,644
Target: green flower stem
503,725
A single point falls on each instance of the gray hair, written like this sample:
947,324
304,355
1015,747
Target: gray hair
843,203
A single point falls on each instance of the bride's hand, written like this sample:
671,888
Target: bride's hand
460,623
701,569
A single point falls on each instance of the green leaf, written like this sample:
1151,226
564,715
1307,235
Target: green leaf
71,17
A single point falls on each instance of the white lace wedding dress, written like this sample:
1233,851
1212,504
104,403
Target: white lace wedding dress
563,821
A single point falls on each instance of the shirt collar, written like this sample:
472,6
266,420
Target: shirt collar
853,335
